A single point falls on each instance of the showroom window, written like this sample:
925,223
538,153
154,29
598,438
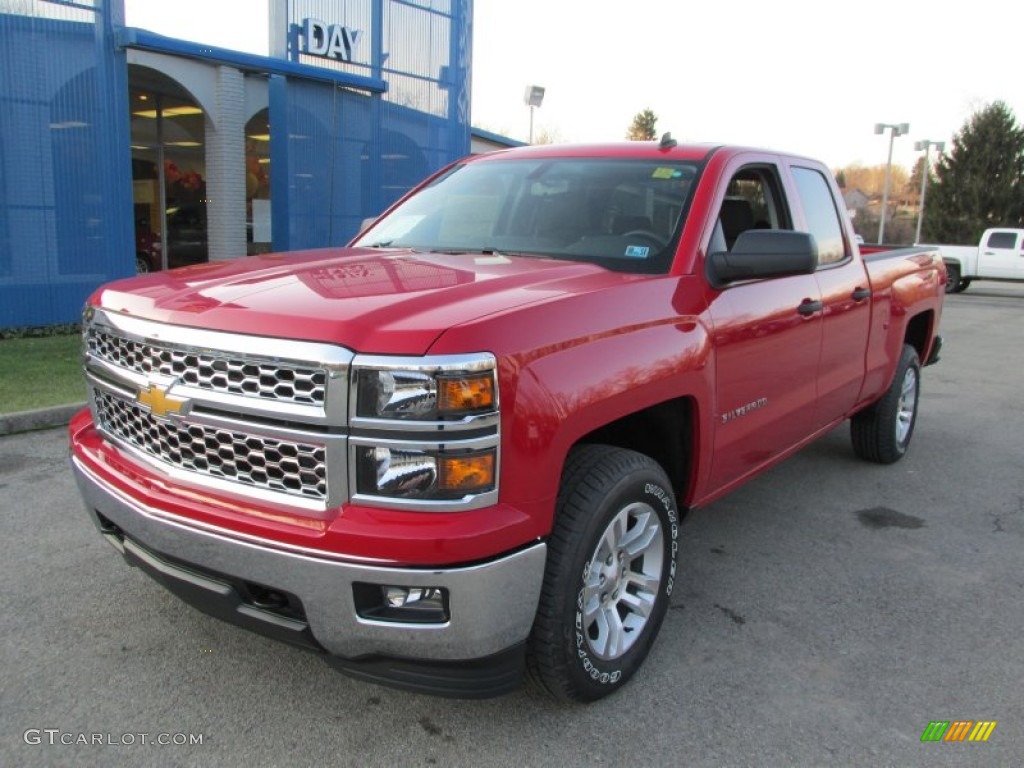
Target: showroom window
257,183
168,172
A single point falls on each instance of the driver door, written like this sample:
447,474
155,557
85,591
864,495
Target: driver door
767,338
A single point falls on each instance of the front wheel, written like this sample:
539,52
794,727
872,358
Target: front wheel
963,285
882,432
610,572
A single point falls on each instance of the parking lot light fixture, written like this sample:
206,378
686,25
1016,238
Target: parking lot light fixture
898,129
533,98
923,146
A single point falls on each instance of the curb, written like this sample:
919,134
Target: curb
43,418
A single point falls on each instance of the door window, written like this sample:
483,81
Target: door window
752,201
822,217
1002,240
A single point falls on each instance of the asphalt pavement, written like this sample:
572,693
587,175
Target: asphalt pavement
826,613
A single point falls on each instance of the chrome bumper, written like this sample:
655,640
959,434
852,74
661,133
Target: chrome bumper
492,605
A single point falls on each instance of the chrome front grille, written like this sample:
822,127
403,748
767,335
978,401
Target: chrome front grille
258,416
208,370
286,466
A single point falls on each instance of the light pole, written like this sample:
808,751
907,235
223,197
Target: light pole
898,129
533,98
925,145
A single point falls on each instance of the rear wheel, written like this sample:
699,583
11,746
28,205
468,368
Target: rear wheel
610,572
882,432
952,278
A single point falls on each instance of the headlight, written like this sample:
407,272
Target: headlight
423,474
447,390
424,431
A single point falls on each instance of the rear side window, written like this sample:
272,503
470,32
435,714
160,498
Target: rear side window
1001,240
822,217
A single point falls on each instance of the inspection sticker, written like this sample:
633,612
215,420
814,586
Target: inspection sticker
637,251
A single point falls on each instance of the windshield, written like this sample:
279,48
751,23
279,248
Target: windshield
622,213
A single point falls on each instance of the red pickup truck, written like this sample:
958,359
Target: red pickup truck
460,447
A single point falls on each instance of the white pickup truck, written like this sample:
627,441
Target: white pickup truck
999,256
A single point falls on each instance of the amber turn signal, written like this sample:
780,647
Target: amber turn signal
466,473
467,392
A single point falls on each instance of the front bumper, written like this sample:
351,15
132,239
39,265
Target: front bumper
478,651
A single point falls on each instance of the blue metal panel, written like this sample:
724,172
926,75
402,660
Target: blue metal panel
5,238
65,172
247,62
339,155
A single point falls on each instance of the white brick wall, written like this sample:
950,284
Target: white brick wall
225,167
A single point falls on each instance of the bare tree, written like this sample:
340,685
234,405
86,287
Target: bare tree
549,135
871,179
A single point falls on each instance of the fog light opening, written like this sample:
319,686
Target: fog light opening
407,597
398,603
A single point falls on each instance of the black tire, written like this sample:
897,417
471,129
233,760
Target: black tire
952,277
962,286
616,529
882,432
141,265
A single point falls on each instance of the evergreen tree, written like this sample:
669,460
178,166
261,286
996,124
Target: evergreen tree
979,183
642,128
913,188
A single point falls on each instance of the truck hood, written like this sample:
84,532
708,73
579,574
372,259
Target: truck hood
368,300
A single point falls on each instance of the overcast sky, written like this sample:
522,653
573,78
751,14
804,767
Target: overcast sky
811,77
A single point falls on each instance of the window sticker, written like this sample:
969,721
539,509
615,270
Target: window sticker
637,251
666,173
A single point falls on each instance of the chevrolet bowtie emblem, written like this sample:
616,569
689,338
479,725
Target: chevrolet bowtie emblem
159,403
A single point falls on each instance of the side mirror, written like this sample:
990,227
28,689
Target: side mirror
763,253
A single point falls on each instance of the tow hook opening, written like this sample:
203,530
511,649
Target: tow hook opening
272,600
112,533
262,597
107,528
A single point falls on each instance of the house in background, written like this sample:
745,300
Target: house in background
855,199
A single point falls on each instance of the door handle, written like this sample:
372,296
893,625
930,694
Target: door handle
809,307
861,293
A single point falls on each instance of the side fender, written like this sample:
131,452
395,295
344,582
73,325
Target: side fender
568,393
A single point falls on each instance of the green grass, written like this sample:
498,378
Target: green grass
38,372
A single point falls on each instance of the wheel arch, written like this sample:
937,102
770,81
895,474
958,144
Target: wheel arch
919,333
666,432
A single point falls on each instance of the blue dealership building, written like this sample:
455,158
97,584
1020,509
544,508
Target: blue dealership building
122,150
